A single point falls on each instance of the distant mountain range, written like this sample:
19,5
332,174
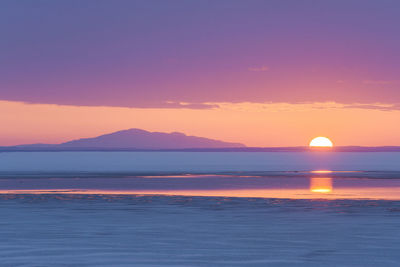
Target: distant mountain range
133,139
141,140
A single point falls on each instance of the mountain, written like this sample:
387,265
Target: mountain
135,139
140,139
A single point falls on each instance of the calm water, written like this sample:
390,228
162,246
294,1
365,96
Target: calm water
106,230
204,162
199,209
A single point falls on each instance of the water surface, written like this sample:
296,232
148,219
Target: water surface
134,230
199,209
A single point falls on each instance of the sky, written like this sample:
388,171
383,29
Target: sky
263,73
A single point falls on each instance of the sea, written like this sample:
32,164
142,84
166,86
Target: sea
315,208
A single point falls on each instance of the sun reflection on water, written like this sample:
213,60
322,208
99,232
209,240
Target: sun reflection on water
321,185
321,171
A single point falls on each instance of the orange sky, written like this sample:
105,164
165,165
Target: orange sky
237,71
252,124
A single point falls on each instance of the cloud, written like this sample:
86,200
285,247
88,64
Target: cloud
171,104
258,69
285,106
382,107
153,105
381,82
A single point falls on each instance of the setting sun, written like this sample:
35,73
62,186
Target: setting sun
321,142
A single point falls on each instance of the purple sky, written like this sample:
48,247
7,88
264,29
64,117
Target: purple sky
145,53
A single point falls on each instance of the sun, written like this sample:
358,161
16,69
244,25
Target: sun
321,141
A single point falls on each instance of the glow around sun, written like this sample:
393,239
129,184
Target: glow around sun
321,141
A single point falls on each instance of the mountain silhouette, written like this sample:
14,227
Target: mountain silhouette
141,139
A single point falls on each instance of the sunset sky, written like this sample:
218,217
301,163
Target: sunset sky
263,73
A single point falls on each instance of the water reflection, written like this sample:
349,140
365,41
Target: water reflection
321,185
321,171
291,187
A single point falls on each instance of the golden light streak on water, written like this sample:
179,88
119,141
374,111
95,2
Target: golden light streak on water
321,185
